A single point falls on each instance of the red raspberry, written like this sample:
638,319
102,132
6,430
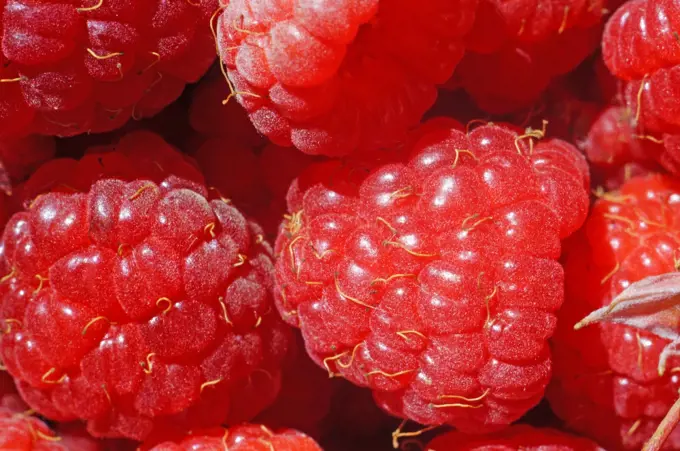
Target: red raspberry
135,301
518,47
519,437
336,76
74,66
20,432
433,278
245,437
606,382
640,45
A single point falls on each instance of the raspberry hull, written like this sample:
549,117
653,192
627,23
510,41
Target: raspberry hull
433,278
139,303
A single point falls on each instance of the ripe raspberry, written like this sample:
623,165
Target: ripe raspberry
74,66
336,76
134,300
516,48
21,432
432,278
519,437
606,382
640,45
245,437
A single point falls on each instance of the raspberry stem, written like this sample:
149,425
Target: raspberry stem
665,428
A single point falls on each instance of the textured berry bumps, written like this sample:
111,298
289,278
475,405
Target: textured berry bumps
135,299
245,437
74,66
607,382
333,76
433,278
520,437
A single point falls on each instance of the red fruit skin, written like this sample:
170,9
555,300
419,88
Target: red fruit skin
432,278
340,76
71,66
606,383
518,437
517,48
246,437
640,45
170,342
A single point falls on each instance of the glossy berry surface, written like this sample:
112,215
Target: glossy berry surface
74,66
520,437
334,76
245,437
433,278
607,383
136,300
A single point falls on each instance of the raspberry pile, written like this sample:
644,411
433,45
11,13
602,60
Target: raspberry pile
339,225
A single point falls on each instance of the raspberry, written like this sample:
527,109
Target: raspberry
135,301
517,437
336,76
245,437
606,382
21,432
640,45
432,278
69,67
517,47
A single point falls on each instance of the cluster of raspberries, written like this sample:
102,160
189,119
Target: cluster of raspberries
339,225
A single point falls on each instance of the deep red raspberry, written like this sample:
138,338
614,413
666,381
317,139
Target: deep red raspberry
21,432
519,437
245,437
74,66
135,300
433,278
640,44
517,47
334,76
606,382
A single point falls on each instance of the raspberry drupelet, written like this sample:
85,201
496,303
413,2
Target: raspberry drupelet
73,66
246,437
135,298
334,76
432,278
607,383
